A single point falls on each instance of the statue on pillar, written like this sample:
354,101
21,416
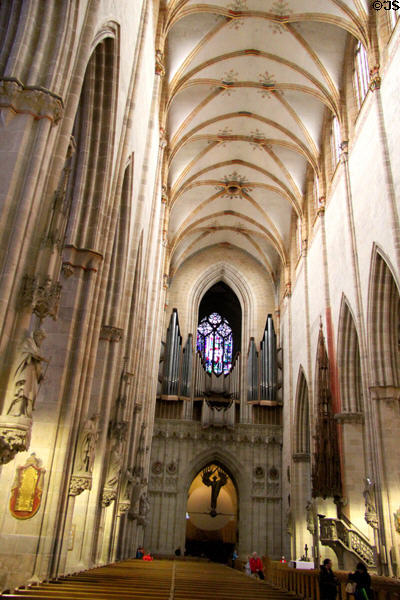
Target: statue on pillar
371,515
310,518
86,445
27,376
144,508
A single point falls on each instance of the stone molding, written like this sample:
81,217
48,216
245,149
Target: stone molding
15,434
385,392
243,434
349,417
80,258
79,483
299,457
110,333
31,100
42,295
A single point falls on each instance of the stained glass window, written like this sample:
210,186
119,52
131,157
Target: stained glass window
214,341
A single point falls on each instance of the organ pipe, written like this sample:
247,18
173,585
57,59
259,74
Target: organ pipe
252,373
187,369
172,359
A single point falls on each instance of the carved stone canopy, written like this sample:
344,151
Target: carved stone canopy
42,295
108,497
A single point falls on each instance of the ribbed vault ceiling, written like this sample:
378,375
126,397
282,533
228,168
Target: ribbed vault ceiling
249,84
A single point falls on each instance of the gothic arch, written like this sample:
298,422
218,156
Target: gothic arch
93,132
302,416
118,268
349,364
226,273
383,321
302,464
227,460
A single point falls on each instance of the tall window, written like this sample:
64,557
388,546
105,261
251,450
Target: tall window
214,341
335,142
361,73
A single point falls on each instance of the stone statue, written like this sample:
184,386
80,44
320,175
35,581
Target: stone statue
125,496
214,483
86,445
371,515
27,376
310,517
289,522
126,486
144,508
116,455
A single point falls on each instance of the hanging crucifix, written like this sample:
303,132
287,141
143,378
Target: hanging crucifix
210,479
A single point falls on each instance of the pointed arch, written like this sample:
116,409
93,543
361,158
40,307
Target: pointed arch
302,416
226,273
349,364
93,132
326,476
228,461
383,321
119,258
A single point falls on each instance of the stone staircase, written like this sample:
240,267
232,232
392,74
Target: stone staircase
157,580
344,539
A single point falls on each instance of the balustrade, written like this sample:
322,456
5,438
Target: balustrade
304,583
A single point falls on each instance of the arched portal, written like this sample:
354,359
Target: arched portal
212,514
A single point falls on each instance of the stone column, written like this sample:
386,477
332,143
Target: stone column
386,419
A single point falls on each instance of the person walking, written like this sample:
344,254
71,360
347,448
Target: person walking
234,557
362,579
328,582
256,566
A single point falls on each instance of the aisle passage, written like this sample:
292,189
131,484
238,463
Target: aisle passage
157,580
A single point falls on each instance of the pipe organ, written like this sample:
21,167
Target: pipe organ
184,376
264,369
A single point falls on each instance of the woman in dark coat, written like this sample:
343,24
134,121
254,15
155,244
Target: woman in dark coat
362,579
327,581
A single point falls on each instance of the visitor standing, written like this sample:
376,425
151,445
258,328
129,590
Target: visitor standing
327,581
362,579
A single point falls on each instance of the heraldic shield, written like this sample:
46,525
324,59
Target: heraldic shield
26,491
